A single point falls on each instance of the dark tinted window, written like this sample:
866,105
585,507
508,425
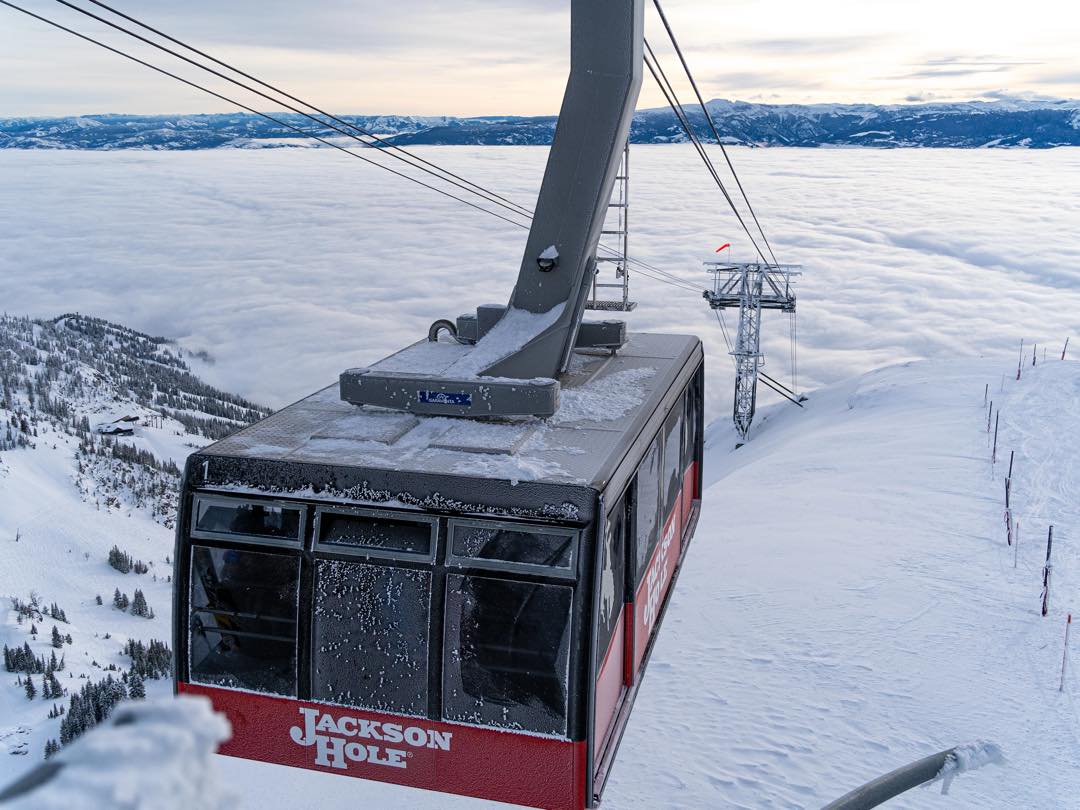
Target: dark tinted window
506,653
250,518
525,545
646,505
612,578
690,424
370,634
672,459
383,532
243,619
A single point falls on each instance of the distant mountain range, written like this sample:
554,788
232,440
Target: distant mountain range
972,124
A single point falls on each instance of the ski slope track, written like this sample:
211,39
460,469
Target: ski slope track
849,604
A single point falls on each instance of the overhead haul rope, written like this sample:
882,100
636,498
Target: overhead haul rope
645,268
712,125
471,187
658,74
684,120
350,124
268,117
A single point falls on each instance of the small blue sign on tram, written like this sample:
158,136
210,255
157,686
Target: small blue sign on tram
445,398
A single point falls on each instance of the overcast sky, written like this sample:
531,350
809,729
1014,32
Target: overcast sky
471,57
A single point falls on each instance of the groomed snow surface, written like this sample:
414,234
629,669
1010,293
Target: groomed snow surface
850,605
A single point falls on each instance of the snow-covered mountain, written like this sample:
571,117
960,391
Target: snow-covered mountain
1000,123
95,423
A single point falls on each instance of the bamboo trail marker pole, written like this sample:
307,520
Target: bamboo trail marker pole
989,414
1008,512
997,422
1034,349
1016,545
1065,349
1065,655
1047,570
1020,362
1012,455
986,393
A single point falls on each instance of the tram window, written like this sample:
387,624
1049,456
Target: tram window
646,505
507,653
690,425
370,636
612,579
513,546
376,534
243,619
672,459
217,517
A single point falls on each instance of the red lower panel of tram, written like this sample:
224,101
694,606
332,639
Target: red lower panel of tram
485,763
654,585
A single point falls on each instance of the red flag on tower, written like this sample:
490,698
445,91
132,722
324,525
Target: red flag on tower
725,245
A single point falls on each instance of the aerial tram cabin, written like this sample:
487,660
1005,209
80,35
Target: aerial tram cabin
466,607
448,569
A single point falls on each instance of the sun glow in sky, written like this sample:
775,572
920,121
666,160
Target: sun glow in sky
474,57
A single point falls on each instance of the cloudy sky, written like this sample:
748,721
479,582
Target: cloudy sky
510,56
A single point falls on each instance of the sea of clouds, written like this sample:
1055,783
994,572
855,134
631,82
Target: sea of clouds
289,265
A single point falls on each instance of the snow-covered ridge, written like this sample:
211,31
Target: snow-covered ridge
96,421
1003,122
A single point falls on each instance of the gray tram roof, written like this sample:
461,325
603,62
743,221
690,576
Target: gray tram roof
605,403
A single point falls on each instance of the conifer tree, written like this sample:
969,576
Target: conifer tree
57,639
31,692
136,689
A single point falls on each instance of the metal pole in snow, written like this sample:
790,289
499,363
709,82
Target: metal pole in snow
1020,362
997,421
1065,349
1047,569
1065,655
1034,349
1008,512
1012,455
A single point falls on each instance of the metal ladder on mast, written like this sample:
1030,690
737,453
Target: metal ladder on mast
620,204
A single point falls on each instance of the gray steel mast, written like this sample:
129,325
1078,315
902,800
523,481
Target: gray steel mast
556,271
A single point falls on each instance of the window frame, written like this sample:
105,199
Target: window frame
238,537
429,639
321,547
566,675
641,564
297,623
453,561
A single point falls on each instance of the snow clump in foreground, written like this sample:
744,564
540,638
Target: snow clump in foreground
150,756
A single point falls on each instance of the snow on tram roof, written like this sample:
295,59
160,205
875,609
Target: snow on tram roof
604,398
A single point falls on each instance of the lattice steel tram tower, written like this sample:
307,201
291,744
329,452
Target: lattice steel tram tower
751,287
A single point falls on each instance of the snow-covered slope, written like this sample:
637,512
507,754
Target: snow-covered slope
849,603
69,494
